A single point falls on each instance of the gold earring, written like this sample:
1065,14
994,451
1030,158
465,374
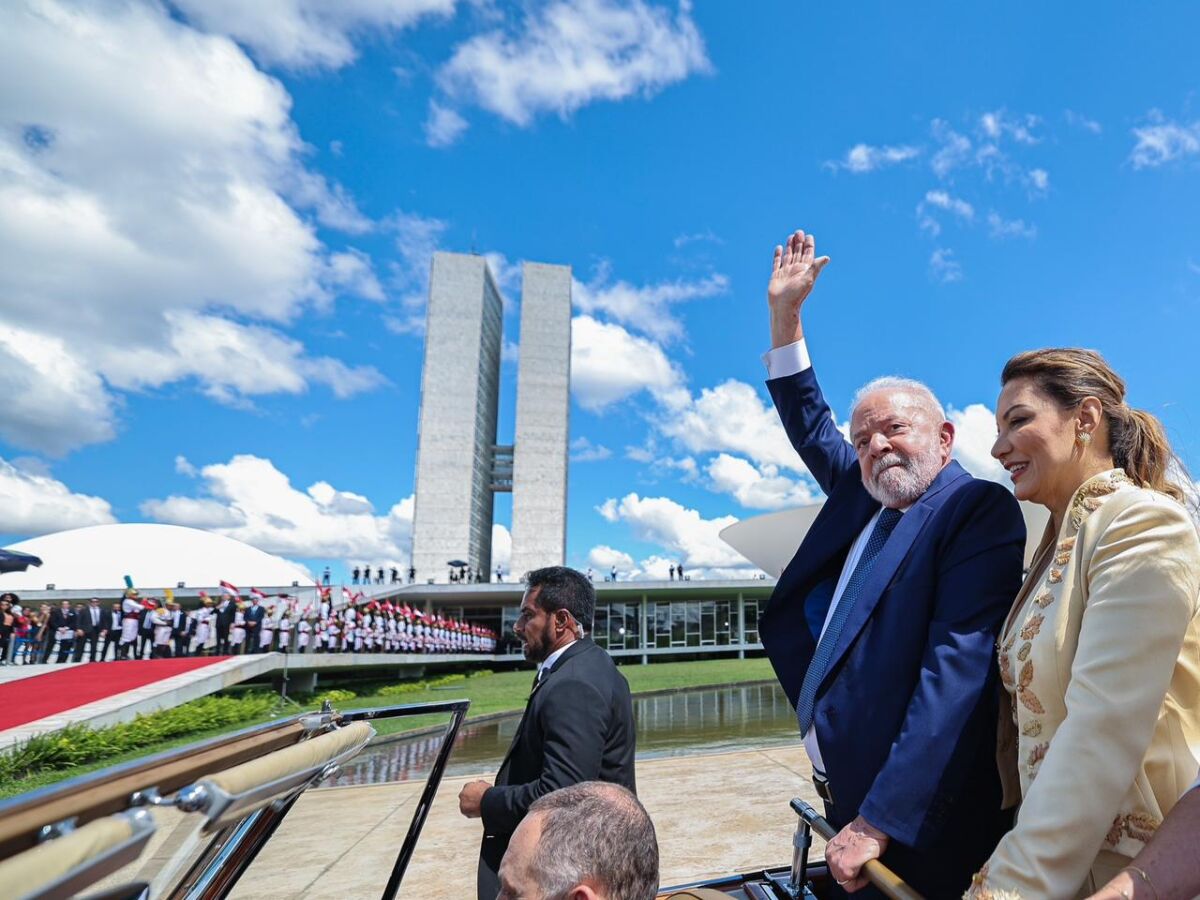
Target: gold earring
1084,438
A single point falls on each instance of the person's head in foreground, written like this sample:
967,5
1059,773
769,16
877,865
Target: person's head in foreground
900,433
589,841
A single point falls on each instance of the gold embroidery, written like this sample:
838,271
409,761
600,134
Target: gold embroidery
1006,671
1055,576
1114,832
1066,545
1027,697
1091,495
1044,599
1139,826
1037,754
1032,728
1023,653
1062,559
1032,626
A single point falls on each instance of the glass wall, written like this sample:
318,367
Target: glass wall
751,607
691,623
617,626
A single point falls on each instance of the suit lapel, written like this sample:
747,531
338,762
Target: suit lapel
574,650
894,552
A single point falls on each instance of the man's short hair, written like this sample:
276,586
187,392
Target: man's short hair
598,833
910,386
562,588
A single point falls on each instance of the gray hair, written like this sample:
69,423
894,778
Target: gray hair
916,389
595,832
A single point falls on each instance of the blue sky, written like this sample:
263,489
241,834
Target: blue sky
216,222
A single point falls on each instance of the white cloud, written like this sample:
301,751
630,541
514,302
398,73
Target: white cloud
646,308
444,126
307,33
938,199
956,205
944,267
974,434
730,417
681,532
758,488
1005,228
249,499
999,124
707,236
417,239
1081,121
862,158
583,450
501,547
184,467
1163,140
955,148
33,503
604,558
569,53
1039,179
123,225
609,364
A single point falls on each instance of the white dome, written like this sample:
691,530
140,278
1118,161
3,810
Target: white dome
154,556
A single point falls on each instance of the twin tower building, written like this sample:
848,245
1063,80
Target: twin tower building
460,465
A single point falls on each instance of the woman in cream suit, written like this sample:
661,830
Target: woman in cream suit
1100,656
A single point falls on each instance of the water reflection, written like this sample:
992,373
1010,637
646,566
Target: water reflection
703,720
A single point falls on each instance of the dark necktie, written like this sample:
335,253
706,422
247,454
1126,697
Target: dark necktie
858,578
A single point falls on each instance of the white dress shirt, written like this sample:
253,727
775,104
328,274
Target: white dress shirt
782,362
548,663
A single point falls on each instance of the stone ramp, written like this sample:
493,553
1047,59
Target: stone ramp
123,705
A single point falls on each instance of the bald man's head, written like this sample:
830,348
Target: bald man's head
589,841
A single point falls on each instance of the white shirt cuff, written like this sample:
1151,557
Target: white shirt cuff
788,360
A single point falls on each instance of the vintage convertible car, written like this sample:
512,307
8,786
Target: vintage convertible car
189,823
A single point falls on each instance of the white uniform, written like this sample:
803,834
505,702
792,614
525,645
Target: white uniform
303,632
161,620
131,615
203,626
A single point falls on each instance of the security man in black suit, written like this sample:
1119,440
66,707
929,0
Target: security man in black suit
112,630
254,616
179,629
224,616
62,619
578,722
91,622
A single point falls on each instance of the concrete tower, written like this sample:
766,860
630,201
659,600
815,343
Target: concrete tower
539,481
460,386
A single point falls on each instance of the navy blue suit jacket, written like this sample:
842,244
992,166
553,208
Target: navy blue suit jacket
906,712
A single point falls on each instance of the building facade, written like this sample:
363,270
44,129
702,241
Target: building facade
539,482
460,390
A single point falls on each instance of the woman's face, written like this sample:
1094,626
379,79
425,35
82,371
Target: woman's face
1036,443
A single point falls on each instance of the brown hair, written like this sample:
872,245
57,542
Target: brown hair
1137,440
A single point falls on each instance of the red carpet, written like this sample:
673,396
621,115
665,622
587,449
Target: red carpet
30,699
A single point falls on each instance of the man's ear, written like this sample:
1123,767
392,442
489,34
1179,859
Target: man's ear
946,438
584,892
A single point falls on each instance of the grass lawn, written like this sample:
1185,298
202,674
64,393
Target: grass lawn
494,693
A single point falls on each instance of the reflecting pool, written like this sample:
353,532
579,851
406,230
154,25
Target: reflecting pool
703,720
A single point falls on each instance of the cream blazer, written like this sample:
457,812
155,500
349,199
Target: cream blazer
1100,716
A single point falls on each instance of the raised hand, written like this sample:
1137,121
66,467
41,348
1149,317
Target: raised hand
794,272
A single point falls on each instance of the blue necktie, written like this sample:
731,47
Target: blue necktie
821,659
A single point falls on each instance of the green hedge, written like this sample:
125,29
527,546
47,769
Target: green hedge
78,745
416,687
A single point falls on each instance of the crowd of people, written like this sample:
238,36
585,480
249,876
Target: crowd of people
137,627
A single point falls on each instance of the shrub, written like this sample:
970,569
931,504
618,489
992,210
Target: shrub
415,687
78,745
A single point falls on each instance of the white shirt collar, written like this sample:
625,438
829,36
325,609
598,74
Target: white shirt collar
548,663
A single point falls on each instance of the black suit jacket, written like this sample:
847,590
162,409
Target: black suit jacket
578,726
60,620
84,621
255,615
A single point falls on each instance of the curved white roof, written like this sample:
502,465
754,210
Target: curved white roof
771,540
154,556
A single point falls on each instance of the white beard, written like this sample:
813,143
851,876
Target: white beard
899,486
